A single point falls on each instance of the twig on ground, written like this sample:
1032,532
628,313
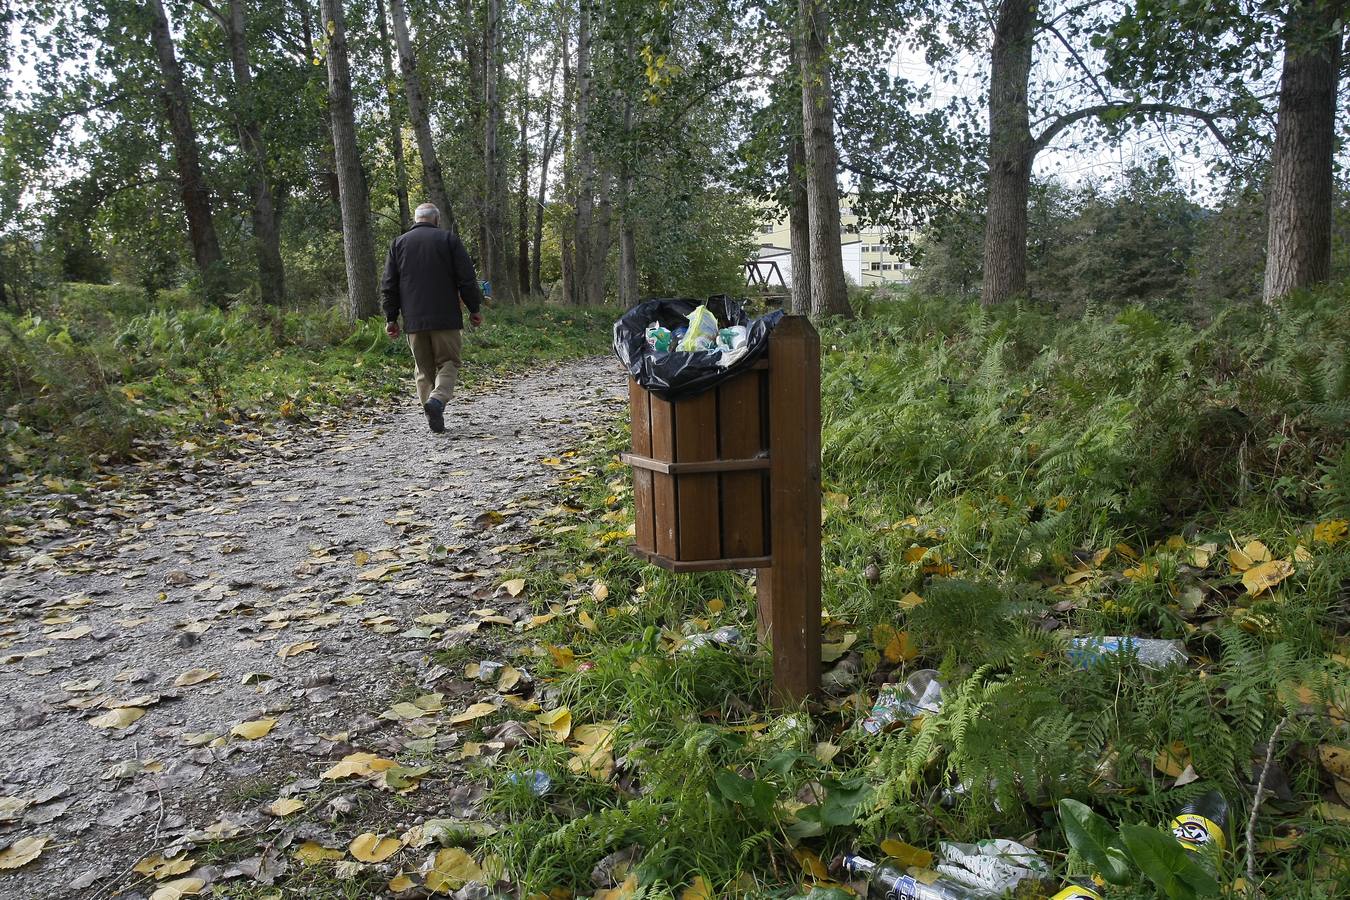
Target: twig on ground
1256,802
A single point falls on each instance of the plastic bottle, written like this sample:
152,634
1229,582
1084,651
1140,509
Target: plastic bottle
1203,823
899,704
1152,653
1076,890
888,880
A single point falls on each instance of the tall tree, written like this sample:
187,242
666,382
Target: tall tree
523,167
191,183
494,250
591,229
1010,154
358,243
432,178
799,227
550,140
1298,244
829,290
395,123
248,122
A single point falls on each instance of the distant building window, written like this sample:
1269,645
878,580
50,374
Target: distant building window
885,267
876,267
766,229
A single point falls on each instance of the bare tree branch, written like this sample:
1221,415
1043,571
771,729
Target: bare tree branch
1123,106
1091,75
213,10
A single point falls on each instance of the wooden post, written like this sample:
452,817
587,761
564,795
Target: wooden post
790,591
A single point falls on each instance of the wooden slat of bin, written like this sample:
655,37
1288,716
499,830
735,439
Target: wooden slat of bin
644,525
696,441
742,492
664,507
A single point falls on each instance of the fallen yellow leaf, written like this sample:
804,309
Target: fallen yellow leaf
477,711
311,853
453,869
515,586
400,883
697,890
906,854
557,721
1266,575
1173,759
910,600
625,891
286,806
118,718
1332,531
362,764
370,848
252,731
181,887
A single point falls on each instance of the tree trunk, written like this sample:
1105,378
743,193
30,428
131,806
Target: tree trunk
799,229
1010,154
495,214
523,222
829,290
628,264
592,217
357,241
266,236
191,183
550,138
432,179
395,124
1298,239
567,242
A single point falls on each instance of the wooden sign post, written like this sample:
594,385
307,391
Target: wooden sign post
730,479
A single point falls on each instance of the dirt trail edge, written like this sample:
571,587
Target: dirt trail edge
188,648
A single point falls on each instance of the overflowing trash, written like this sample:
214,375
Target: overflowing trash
896,705
680,348
1153,653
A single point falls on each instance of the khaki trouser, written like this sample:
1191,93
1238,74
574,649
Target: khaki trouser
437,356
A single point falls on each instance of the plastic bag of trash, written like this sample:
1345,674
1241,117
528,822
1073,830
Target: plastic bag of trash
675,374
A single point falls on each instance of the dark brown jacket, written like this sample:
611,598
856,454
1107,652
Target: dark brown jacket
427,274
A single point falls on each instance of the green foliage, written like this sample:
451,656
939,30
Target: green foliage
99,369
974,458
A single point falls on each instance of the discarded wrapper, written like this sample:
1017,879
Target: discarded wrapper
995,866
1152,652
896,704
727,635
538,782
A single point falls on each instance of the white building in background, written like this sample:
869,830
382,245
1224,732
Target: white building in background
867,258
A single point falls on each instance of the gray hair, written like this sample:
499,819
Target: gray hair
427,212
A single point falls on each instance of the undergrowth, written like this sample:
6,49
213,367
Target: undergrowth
98,374
995,484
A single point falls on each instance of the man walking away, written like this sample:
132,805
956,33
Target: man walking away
426,276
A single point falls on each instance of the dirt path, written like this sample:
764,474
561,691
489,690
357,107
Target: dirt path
282,588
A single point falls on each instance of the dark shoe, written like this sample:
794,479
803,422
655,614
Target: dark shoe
435,414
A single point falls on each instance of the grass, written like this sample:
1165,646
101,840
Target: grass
99,376
1016,479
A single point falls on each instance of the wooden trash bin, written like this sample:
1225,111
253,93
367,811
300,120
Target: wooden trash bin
700,476
730,479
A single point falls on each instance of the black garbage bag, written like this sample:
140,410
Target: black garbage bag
677,374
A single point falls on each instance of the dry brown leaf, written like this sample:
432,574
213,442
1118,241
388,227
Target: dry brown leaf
195,676
22,852
515,587
179,888
293,649
1173,759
